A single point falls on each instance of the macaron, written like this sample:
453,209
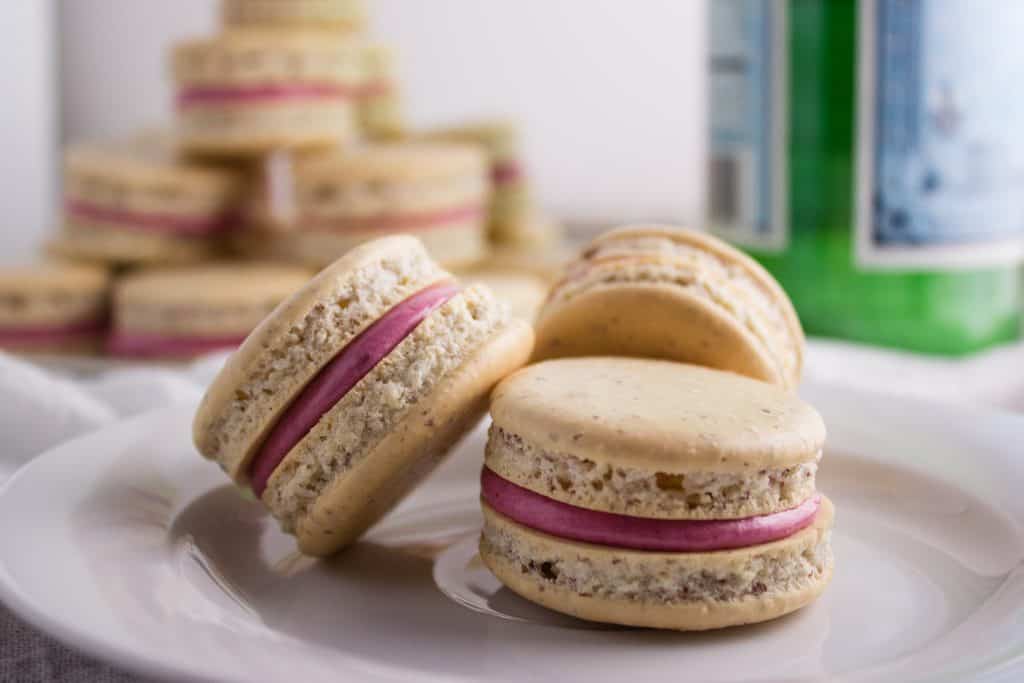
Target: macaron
511,206
381,113
138,201
332,202
245,93
183,312
655,494
53,307
661,292
339,16
355,388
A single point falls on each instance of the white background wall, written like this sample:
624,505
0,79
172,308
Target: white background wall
609,93
28,127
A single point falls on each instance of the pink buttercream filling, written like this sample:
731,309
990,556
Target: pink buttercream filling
152,222
505,173
150,345
394,222
342,373
48,334
264,93
639,533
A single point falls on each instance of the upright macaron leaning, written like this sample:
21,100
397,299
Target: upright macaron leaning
661,292
656,494
353,389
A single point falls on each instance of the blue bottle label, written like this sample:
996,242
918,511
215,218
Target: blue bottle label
748,93
940,159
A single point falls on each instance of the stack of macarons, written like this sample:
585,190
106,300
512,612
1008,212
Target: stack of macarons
640,487
289,147
330,202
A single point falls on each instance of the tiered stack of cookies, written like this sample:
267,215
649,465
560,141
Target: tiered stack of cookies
289,147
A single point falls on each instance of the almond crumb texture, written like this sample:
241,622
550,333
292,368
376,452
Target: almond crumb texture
641,492
299,338
663,590
373,408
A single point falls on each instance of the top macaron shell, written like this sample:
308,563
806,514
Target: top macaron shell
576,430
659,292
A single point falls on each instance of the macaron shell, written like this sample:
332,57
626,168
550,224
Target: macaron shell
364,494
653,321
728,254
656,415
695,616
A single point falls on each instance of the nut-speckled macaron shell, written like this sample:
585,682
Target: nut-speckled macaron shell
657,415
667,320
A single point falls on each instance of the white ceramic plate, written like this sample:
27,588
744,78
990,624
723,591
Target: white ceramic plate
126,545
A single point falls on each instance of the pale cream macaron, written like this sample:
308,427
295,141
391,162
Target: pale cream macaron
381,108
339,16
139,201
512,216
662,292
355,388
247,92
322,205
657,494
53,307
186,311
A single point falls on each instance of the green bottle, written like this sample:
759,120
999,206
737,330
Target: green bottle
870,155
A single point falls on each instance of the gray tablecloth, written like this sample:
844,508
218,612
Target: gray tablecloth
27,656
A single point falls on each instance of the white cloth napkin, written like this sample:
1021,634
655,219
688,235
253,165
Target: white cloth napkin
43,405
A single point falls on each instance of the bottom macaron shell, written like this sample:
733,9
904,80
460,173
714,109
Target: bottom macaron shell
652,321
359,497
537,578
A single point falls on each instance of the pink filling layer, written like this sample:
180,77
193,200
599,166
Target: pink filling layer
264,93
50,334
342,373
142,345
668,535
406,221
505,173
152,222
